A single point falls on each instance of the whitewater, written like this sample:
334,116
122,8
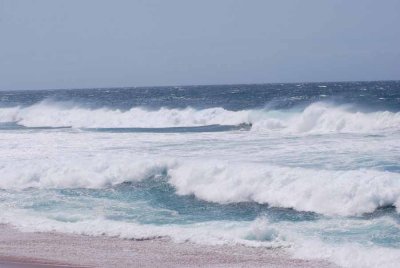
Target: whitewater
311,168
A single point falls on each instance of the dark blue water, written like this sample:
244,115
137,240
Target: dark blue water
370,95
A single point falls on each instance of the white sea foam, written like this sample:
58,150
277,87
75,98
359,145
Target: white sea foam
329,192
207,233
334,175
349,254
80,173
352,251
316,118
59,115
290,236
326,118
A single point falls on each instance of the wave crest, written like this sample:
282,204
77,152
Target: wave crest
58,115
328,192
346,193
327,118
316,118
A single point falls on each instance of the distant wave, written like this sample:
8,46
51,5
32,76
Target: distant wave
322,118
316,118
329,192
59,115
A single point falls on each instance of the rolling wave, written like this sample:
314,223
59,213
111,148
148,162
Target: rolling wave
61,115
316,118
257,233
328,192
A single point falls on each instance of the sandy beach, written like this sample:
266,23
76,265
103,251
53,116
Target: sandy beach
29,250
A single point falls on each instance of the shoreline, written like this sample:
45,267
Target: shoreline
39,250
23,262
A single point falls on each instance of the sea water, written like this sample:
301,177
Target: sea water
313,168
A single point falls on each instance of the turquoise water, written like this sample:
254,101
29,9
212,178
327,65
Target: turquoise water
311,168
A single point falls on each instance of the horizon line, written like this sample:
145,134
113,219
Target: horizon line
205,85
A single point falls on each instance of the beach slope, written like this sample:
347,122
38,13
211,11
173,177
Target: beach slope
28,249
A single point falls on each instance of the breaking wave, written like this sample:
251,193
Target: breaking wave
317,118
60,115
346,193
297,239
349,254
329,192
208,233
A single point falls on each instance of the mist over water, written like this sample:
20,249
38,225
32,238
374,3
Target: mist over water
313,168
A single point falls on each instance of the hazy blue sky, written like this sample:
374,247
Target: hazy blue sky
92,43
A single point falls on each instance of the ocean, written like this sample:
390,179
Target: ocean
312,168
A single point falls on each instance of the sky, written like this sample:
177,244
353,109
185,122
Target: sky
48,44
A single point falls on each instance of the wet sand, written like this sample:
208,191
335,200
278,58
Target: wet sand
37,250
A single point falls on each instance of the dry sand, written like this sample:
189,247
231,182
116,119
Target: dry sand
37,250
